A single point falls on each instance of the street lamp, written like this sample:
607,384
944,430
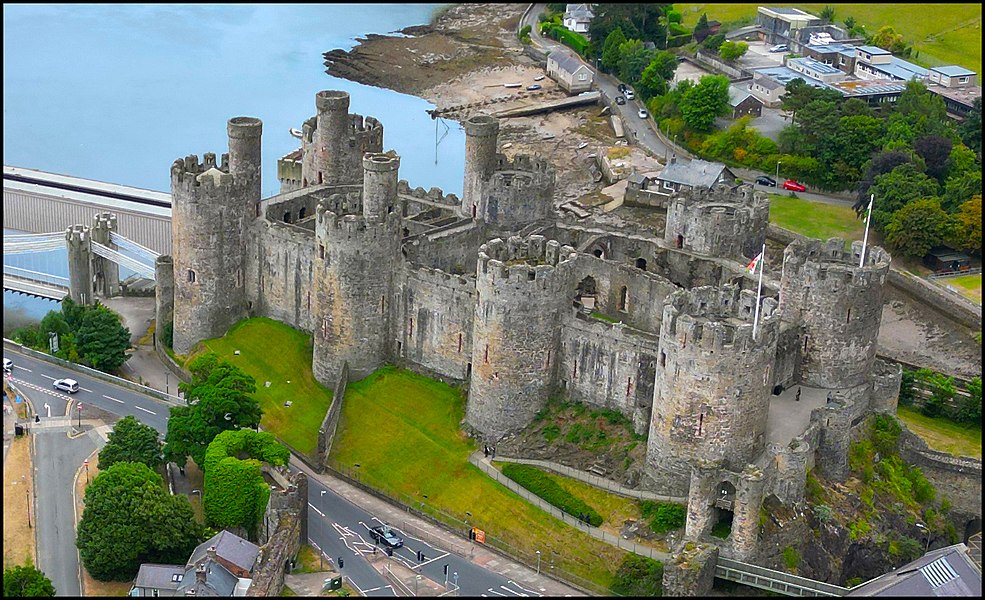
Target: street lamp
926,532
86,463
778,170
167,383
538,562
80,415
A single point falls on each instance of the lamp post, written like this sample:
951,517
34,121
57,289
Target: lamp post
86,463
167,383
778,170
80,414
27,491
926,532
538,562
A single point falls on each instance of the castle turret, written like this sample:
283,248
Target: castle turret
105,272
481,132
211,210
518,193
722,221
353,276
333,142
711,393
515,332
840,305
163,298
77,241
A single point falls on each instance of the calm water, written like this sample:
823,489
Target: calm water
116,93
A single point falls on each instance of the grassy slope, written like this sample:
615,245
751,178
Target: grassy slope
403,431
278,353
943,34
970,286
816,219
943,435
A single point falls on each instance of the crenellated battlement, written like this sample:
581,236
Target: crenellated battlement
715,319
523,259
190,175
333,227
434,195
524,162
77,235
720,193
832,255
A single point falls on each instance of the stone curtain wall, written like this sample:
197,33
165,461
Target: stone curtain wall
692,572
326,433
958,478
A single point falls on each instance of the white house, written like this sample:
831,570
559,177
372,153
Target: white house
577,17
570,73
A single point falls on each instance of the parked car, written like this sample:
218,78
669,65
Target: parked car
644,114
790,184
67,385
382,534
533,87
629,94
622,87
620,100
767,181
8,365
779,48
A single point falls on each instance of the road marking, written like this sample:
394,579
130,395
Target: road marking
145,410
316,510
114,399
25,368
48,376
85,390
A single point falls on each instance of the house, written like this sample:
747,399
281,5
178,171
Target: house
949,571
569,72
223,565
769,91
743,102
957,88
943,259
681,176
577,17
782,24
158,580
231,551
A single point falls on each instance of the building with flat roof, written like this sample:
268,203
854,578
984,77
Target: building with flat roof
957,86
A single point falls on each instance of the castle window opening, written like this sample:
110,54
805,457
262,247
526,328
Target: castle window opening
680,241
321,251
324,328
319,177
406,232
848,319
701,423
191,276
641,264
473,211
301,213
400,348
468,370
629,385
459,343
663,359
382,308
411,326
805,343
239,277
258,209
597,252
308,300
623,298
485,358
574,373
287,217
547,363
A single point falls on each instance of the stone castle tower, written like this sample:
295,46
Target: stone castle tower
515,332
711,396
211,208
333,141
721,221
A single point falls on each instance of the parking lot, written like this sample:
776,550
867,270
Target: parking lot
759,56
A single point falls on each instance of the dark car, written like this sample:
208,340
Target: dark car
622,87
790,184
767,181
383,535
620,100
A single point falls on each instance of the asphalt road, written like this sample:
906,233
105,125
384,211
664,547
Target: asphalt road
336,525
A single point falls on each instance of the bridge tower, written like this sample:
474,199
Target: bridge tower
77,240
105,272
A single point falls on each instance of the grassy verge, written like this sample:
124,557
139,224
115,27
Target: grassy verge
18,484
277,353
308,561
403,430
816,219
969,286
943,435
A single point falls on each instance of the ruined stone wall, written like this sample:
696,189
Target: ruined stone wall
622,292
886,379
434,327
285,530
713,488
691,572
957,478
697,413
481,132
518,193
455,253
840,306
515,332
786,366
722,221
285,273
608,365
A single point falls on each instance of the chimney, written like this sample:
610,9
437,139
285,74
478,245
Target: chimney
200,573
211,552
673,158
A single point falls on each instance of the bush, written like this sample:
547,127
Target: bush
714,42
664,516
906,393
791,558
546,488
638,576
569,38
550,433
524,34
970,407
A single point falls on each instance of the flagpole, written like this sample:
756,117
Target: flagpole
865,237
759,291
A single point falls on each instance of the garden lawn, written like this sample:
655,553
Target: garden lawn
278,353
816,219
942,434
403,430
970,286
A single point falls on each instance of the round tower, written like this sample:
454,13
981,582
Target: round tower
209,218
722,221
77,241
515,332
712,386
840,306
163,297
353,277
517,193
333,142
379,184
105,272
481,132
245,158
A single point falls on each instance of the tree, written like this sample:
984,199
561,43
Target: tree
828,14
642,21
714,42
131,441
610,50
702,29
799,94
26,582
924,112
732,51
130,518
919,226
102,340
968,232
854,141
881,163
935,152
887,38
969,408
971,129
633,58
959,189
896,189
218,398
704,102
656,76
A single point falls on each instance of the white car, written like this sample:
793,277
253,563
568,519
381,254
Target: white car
66,385
629,94
8,365
779,48
643,114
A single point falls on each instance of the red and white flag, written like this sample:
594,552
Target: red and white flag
755,262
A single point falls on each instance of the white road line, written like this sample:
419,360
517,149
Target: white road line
511,582
315,509
113,399
145,410
48,376
85,390
25,368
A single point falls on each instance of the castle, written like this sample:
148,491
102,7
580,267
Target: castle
503,293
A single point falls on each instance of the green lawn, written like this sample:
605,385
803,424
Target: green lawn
275,352
970,286
816,219
943,34
943,435
403,430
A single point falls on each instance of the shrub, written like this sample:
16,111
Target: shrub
543,486
638,576
664,516
791,558
551,433
524,34
885,434
970,407
823,513
906,393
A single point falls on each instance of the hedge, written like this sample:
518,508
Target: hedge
543,486
576,42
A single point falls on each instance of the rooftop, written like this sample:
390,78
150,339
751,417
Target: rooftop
815,65
696,173
964,95
949,571
874,50
161,577
954,71
566,61
230,547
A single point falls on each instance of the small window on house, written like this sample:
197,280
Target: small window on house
191,276
962,80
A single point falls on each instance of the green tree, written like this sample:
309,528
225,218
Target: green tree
610,50
923,112
970,406
942,391
656,76
895,189
799,94
713,42
131,441
887,38
701,29
855,139
935,151
218,398
828,14
919,226
960,189
881,163
26,582
633,58
968,234
971,129
732,51
704,102
101,339
642,21
130,518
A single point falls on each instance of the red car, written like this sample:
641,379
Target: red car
790,184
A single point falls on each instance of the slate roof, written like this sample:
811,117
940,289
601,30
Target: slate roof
947,571
696,173
737,95
218,580
161,577
566,61
228,546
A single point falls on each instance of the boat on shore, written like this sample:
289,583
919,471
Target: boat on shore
295,132
512,85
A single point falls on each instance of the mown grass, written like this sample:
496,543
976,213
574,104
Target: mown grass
969,286
942,434
943,34
816,219
403,430
275,352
